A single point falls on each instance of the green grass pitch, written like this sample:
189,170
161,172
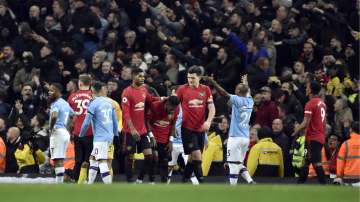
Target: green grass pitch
176,193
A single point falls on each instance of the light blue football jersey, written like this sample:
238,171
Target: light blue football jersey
240,116
177,138
64,111
101,114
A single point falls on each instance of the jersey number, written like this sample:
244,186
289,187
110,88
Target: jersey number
106,114
322,114
81,106
244,119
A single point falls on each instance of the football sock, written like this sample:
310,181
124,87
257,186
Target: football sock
59,171
198,170
320,174
105,173
234,173
93,170
83,173
245,173
189,168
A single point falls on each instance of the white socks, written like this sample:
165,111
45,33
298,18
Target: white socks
245,174
105,173
93,170
59,172
234,173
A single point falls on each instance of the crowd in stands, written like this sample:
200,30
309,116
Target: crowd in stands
279,44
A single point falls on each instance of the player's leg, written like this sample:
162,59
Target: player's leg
193,178
164,157
78,157
58,145
244,145
233,159
188,140
102,158
94,163
86,146
316,148
174,157
129,150
147,167
197,156
110,156
304,171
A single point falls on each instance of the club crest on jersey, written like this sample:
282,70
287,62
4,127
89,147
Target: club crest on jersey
202,94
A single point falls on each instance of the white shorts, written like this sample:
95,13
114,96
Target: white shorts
237,148
101,150
59,141
177,150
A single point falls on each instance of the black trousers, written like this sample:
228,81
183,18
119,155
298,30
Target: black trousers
83,148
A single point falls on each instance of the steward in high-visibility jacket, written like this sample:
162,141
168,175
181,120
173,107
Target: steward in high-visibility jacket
29,158
298,152
348,162
265,158
2,155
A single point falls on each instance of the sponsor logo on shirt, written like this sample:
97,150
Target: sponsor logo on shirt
139,106
195,103
162,123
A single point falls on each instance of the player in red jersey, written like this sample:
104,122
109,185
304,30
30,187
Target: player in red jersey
195,99
314,124
79,102
136,138
161,118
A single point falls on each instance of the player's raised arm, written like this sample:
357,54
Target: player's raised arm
218,88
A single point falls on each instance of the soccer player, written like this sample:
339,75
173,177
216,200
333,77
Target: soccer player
238,142
178,150
101,114
60,112
79,102
161,119
314,122
195,99
135,133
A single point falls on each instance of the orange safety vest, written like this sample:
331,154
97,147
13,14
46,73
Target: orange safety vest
2,156
69,161
325,163
348,163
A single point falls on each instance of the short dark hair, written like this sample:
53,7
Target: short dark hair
97,86
315,87
355,127
264,132
58,86
85,79
40,117
136,71
173,100
195,70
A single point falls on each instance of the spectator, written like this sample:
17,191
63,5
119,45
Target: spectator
8,27
2,155
267,111
342,114
284,142
71,87
27,73
12,143
49,67
175,71
8,66
265,158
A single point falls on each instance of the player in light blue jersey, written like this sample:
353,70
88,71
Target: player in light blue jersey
238,142
60,114
101,114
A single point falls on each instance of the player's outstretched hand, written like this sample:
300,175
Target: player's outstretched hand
208,78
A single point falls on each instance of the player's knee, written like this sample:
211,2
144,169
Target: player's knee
147,152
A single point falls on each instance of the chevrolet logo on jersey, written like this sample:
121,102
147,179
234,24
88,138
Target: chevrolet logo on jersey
162,123
139,106
195,103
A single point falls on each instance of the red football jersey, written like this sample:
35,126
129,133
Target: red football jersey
315,110
133,107
161,123
79,101
194,103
